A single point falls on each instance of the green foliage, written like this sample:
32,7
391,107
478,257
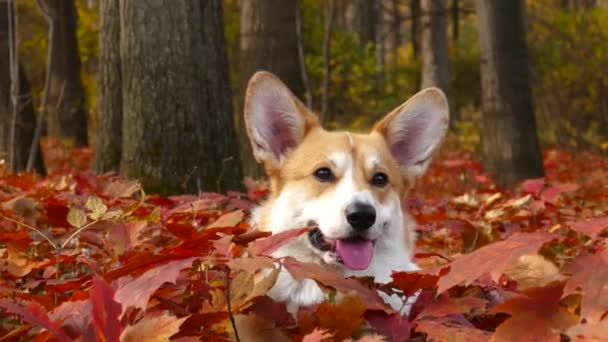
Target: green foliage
571,85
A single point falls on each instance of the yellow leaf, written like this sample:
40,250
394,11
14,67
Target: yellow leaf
77,217
96,206
156,329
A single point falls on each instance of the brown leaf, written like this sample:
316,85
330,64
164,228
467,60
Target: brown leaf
153,328
589,277
250,265
445,305
137,292
77,217
492,259
342,319
450,331
536,315
227,220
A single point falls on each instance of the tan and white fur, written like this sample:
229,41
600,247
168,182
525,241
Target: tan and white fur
349,185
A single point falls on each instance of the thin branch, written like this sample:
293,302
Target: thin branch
31,228
47,87
232,321
301,57
329,23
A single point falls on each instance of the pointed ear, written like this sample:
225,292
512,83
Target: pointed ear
415,130
276,120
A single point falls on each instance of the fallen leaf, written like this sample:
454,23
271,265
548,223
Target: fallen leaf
591,228
153,328
589,332
536,315
590,278
106,311
492,259
270,244
77,217
228,220
343,319
34,314
394,326
96,206
442,330
445,305
334,279
137,292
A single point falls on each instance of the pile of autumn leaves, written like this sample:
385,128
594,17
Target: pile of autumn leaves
86,257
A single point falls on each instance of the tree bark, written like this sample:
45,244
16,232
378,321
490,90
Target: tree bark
67,117
25,120
510,143
268,42
178,128
108,140
435,59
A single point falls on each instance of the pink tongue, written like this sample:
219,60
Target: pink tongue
356,254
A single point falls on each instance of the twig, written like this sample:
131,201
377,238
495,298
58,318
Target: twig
218,181
301,58
232,321
30,228
47,86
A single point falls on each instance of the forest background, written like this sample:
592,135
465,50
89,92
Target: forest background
103,99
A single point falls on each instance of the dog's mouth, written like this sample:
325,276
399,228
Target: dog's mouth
354,252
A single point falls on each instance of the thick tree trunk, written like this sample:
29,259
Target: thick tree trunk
435,59
108,140
268,42
15,150
510,143
178,128
67,117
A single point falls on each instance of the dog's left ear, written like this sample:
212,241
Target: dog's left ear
414,130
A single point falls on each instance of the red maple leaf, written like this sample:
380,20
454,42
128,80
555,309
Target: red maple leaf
492,259
106,311
589,277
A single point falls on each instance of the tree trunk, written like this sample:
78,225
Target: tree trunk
178,128
268,42
435,59
108,140
359,17
414,25
67,117
510,143
16,151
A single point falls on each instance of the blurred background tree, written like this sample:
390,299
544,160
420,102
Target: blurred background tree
378,54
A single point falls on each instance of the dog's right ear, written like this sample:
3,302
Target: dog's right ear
276,120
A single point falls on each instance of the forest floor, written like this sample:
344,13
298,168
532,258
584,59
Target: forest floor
93,256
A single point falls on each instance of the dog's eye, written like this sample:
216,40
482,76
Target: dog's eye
323,174
379,179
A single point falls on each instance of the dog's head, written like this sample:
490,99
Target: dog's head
349,185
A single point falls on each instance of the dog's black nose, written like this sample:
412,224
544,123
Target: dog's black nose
360,216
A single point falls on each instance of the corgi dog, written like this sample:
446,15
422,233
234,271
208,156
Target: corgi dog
348,185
